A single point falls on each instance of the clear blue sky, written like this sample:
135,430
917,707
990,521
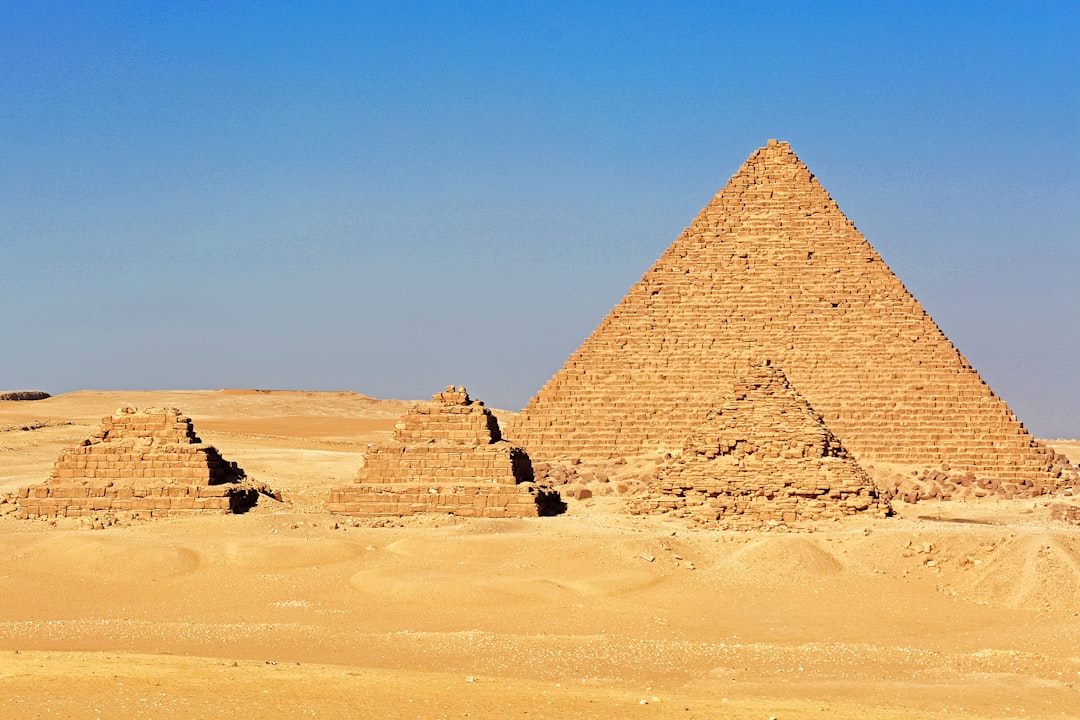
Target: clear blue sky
392,197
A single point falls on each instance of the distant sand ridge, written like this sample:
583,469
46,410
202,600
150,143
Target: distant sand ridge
772,270
147,462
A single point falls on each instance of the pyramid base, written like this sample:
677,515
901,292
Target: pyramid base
464,500
156,499
730,512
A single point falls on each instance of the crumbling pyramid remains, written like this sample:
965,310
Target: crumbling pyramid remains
148,462
447,456
761,456
771,268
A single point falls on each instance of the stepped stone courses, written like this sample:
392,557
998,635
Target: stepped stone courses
771,268
147,462
447,456
761,456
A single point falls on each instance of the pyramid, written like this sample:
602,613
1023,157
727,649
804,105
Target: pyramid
771,268
446,456
147,462
761,456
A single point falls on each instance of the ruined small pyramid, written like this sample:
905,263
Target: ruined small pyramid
147,462
761,456
771,268
446,456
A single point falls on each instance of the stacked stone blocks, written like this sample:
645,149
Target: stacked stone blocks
148,462
446,456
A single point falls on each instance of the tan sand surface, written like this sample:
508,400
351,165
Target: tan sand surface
1068,448
947,610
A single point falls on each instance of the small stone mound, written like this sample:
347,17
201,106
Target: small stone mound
25,395
446,456
763,457
145,462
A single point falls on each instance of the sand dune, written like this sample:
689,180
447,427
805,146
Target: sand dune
948,609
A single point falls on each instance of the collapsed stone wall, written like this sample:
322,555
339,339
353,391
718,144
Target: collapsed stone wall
446,456
943,485
762,456
772,268
147,462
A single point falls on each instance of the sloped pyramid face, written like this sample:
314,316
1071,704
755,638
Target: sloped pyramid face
762,455
771,268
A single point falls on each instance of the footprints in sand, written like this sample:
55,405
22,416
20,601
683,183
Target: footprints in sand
1037,572
288,553
483,568
786,559
84,556
80,556
467,589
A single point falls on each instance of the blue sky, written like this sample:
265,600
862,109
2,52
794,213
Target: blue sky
392,197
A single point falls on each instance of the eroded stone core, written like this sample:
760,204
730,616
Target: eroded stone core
762,455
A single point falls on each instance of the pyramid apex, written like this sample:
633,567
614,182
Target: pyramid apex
778,147
775,153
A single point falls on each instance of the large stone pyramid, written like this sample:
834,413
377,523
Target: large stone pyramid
762,455
771,268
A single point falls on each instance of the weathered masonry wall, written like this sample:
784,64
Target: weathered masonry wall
771,268
463,499
153,500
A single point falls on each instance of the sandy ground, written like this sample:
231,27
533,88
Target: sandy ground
947,610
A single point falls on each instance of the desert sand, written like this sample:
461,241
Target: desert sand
959,609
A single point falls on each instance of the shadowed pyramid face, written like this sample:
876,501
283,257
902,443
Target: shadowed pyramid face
771,268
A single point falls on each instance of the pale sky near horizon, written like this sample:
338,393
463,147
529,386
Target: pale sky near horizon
393,197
